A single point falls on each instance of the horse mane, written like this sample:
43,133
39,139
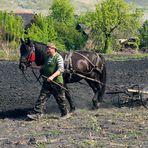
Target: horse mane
36,42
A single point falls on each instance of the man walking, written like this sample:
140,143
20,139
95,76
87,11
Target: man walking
52,75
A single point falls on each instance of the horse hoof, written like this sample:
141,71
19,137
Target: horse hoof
96,106
72,110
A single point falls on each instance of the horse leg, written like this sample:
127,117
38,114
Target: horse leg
101,91
96,90
70,100
96,104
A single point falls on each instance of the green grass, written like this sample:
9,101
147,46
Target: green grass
113,57
89,143
41,145
134,133
2,54
14,56
9,55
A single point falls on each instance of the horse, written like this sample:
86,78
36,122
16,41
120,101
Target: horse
78,65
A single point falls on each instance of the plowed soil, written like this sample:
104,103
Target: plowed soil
111,126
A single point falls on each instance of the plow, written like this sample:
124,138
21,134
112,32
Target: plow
131,96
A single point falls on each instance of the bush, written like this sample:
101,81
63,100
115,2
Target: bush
144,35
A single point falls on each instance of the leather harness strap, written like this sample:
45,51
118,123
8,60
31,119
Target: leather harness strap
68,61
69,67
95,66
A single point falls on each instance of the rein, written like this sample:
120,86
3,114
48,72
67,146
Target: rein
37,77
56,83
25,76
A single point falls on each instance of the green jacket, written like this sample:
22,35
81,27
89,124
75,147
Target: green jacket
52,64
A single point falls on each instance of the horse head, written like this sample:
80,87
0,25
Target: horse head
26,54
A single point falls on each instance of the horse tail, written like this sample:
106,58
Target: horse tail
102,77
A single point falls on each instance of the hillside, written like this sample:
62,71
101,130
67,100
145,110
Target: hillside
42,7
142,3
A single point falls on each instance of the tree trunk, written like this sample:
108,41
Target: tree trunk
108,44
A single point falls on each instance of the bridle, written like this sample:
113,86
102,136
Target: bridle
27,59
26,62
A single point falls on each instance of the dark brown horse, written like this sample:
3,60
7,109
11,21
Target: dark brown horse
79,65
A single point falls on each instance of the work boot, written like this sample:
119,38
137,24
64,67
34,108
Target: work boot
65,114
35,115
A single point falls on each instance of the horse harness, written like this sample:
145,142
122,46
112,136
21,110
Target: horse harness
69,66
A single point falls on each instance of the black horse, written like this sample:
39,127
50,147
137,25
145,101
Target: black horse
79,65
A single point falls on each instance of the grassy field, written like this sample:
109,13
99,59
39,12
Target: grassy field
43,6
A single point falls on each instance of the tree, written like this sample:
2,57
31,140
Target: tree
62,11
116,15
144,34
112,15
42,29
11,27
69,36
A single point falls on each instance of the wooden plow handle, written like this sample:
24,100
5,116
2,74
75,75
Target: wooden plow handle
137,91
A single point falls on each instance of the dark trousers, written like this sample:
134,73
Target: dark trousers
46,91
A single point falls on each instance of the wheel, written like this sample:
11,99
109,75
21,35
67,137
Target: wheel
124,99
144,97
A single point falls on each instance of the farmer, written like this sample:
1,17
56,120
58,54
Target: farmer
52,83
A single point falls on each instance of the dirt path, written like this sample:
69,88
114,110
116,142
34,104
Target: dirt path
108,127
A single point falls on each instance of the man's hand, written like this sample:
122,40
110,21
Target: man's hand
49,79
